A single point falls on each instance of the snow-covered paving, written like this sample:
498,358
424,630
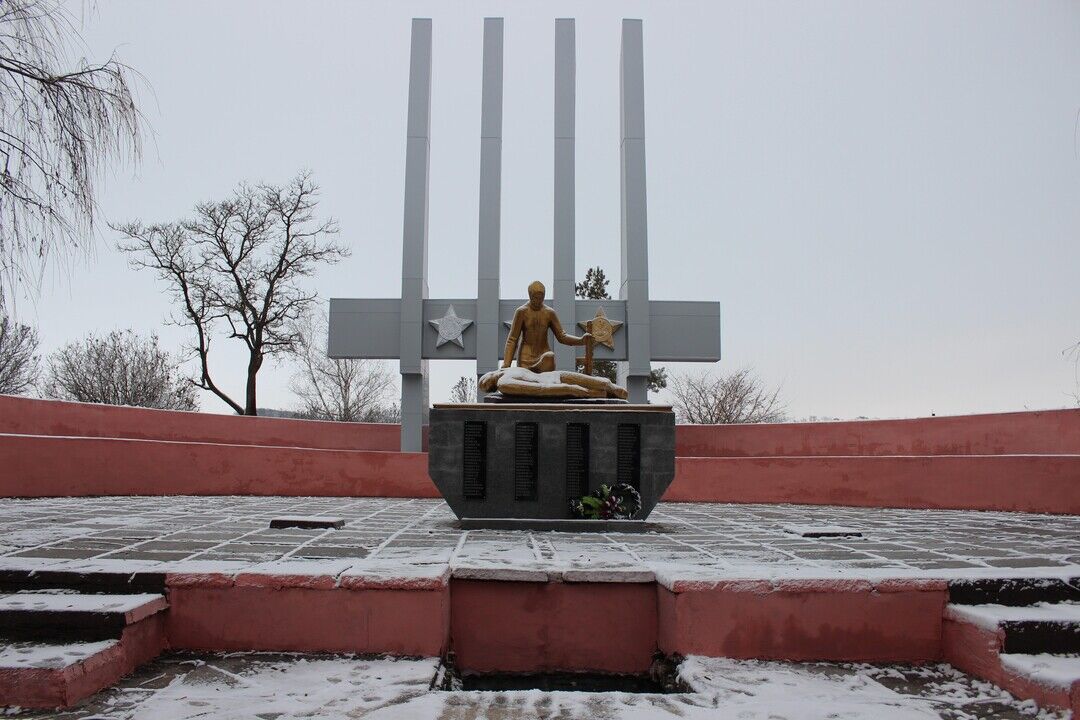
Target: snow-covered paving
283,687
700,541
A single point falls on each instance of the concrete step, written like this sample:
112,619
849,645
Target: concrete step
1014,591
89,581
1020,483
1060,674
1049,669
1028,650
65,615
58,646
1038,628
47,675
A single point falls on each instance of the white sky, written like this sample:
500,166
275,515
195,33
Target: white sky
885,197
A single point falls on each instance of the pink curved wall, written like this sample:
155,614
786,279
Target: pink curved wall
1039,432
38,466
28,416
1024,483
1026,461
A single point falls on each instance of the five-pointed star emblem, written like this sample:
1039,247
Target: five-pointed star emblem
601,328
450,328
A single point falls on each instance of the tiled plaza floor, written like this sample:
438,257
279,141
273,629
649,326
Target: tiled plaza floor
689,540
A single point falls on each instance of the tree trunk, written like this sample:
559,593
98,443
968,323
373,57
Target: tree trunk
250,405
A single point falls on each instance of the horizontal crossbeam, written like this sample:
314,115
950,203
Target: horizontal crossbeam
680,331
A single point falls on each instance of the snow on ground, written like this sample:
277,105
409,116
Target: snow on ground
247,685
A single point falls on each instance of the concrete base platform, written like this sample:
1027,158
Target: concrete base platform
567,526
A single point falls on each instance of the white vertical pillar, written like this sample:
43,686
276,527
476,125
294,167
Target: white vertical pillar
634,281
488,351
414,247
562,291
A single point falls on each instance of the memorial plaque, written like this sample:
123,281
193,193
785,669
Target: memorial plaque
528,461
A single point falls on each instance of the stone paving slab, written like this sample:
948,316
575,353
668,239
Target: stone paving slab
695,541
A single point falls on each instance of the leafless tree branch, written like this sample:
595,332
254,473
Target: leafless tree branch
739,397
236,264
62,122
121,368
332,389
20,364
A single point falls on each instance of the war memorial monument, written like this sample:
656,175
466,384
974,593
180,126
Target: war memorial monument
205,565
545,435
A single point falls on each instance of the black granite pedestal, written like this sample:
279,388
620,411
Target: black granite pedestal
529,460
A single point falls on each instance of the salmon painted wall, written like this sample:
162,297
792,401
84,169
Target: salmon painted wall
1037,432
28,416
1022,483
37,466
1014,461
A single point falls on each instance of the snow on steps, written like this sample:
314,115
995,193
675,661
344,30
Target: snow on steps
1042,627
1014,591
47,615
57,646
1062,671
1031,650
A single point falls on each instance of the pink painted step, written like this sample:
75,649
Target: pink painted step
1023,483
975,638
39,673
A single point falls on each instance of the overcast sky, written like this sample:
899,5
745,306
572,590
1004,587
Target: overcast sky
883,196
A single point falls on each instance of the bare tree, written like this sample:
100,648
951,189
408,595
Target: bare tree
714,400
330,389
61,122
389,413
121,368
19,361
464,390
236,266
1073,353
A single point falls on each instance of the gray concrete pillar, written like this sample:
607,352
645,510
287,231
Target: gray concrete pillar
488,350
414,246
634,280
562,290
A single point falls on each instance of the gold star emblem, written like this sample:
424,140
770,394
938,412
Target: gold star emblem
601,328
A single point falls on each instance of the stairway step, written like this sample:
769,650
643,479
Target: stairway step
53,675
65,615
13,579
28,654
1038,628
1051,670
1014,591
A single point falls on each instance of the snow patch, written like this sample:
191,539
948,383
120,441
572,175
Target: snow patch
29,655
1059,671
989,617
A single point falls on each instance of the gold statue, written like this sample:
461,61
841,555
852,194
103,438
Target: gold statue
531,324
535,374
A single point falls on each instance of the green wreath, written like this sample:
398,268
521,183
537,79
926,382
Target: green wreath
616,502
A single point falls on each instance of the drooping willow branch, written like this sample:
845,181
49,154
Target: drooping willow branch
62,122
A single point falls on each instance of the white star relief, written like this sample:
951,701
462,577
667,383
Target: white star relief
450,328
